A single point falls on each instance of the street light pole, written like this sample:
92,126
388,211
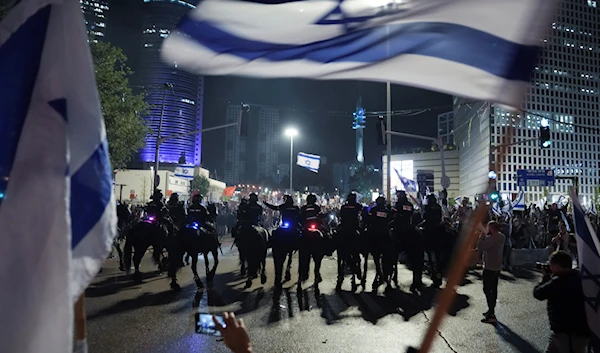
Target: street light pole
291,162
388,193
158,135
291,132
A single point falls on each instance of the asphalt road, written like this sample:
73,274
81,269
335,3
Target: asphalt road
124,316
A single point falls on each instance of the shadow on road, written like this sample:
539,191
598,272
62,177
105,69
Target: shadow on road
519,344
373,307
121,281
144,300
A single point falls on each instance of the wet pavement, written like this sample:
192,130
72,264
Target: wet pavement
125,316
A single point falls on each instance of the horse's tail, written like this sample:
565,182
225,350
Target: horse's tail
127,251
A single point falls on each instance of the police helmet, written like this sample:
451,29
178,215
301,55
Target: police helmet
351,197
401,194
157,195
431,199
288,199
253,197
380,201
310,199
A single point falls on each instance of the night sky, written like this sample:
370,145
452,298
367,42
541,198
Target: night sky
320,110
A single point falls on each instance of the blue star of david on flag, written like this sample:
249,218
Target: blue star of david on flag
309,161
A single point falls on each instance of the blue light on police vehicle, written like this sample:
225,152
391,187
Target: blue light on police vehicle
1,195
286,225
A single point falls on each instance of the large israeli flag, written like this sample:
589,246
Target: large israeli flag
57,220
482,49
309,161
588,250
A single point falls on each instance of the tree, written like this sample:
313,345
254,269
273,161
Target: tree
201,183
5,6
365,180
122,109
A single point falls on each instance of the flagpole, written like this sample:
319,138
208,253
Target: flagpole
389,142
80,326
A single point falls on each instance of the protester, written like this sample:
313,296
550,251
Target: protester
492,245
566,309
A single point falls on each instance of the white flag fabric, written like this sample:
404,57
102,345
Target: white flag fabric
519,203
409,185
58,221
483,49
588,250
309,161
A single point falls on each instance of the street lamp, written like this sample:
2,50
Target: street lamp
291,132
166,86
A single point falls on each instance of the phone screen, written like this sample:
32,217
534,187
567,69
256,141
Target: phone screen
206,326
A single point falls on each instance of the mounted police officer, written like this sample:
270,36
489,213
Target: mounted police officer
176,209
311,213
290,213
252,211
350,213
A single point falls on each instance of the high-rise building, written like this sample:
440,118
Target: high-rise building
564,91
183,103
235,148
445,122
253,158
94,12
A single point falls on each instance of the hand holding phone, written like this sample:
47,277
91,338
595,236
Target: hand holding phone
206,325
234,334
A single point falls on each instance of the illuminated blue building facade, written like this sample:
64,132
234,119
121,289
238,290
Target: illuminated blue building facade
183,104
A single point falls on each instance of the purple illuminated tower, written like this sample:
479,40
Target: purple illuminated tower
183,105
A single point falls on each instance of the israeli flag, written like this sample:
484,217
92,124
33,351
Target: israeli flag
50,119
592,209
309,161
408,184
519,203
482,49
185,171
496,211
588,250
565,221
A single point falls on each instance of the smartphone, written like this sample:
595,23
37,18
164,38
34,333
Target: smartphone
206,325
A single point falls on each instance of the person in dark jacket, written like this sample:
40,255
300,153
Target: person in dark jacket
566,307
433,238
409,238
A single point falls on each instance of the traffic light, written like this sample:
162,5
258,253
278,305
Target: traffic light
494,196
243,120
381,128
545,141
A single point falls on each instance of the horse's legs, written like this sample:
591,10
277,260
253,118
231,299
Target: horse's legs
263,273
278,261
194,267
341,265
363,281
213,271
137,258
317,260
121,263
378,271
288,270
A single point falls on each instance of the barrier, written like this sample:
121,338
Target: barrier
520,257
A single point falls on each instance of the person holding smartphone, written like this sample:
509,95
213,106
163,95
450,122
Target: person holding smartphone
561,287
